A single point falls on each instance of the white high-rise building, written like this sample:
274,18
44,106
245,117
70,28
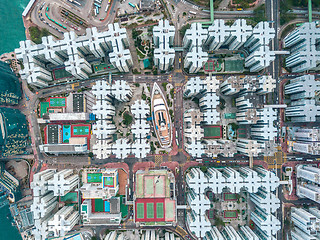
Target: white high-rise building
44,205
63,221
193,42
265,200
267,223
46,186
302,43
302,87
63,182
256,40
249,147
307,134
234,181
39,185
163,36
305,220
71,52
312,148
304,110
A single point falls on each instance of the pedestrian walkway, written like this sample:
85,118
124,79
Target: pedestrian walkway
158,159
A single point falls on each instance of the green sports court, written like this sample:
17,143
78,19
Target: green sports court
140,210
235,65
60,73
102,67
82,130
230,197
160,213
212,132
150,210
94,177
230,214
57,102
44,108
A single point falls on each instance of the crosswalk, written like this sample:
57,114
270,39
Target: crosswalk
277,160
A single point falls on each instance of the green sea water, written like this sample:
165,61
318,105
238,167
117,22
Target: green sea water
11,25
7,231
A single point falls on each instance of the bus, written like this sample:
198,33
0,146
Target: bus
97,5
137,7
177,142
109,1
132,5
192,12
107,8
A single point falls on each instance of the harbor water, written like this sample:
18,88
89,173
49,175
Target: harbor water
11,25
7,230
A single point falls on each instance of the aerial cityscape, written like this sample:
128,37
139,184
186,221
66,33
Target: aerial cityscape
160,120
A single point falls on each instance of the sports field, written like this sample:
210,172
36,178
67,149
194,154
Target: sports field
212,66
57,102
102,67
43,108
60,73
230,197
108,181
140,210
94,177
211,214
233,65
160,213
66,133
80,130
230,214
152,210
98,205
213,132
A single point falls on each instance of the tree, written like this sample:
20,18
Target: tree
127,119
164,85
184,29
90,154
204,169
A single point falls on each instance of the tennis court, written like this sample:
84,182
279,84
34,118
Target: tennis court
149,186
66,133
211,214
43,108
140,210
80,130
94,177
154,210
57,102
230,214
230,197
160,212
213,132
150,210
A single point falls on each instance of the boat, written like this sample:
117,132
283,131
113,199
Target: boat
160,117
